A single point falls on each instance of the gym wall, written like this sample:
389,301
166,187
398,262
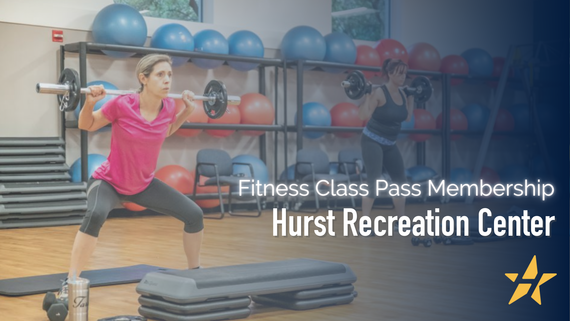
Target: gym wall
31,57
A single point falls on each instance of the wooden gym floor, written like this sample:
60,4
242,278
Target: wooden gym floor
396,281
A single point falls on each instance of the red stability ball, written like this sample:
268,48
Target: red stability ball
391,48
457,121
345,115
423,120
231,116
367,56
504,122
423,56
133,207
176,177
256,109
498,64
454,64
197,116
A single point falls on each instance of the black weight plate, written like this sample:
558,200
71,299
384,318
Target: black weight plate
70,78
217,108
357,87
423,89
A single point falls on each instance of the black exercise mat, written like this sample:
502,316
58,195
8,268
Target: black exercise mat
46,283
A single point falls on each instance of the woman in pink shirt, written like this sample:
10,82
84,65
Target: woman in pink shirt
141,122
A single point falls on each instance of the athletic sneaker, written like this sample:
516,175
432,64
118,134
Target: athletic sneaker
63,291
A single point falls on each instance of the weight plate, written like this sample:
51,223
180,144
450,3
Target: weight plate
423,89
357,87
70,101
215,109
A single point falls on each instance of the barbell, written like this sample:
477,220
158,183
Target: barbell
215,98
355,86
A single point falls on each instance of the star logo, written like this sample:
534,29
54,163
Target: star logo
530,274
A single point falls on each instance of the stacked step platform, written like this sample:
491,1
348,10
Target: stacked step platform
35,186
225,293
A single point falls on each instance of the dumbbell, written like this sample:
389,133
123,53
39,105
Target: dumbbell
56,309
417,241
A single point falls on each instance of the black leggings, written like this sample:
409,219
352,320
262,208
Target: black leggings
102,198
377,156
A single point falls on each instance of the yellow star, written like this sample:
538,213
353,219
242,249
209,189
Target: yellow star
530,274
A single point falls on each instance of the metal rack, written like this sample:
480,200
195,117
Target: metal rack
87,48
445,132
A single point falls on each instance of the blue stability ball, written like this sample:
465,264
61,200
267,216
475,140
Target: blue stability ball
521,114
245,43
173,36
479,61
290,172
420,173
119,24
210,41
477,116
303,43
315,114
513,174
101,102
260,172
407,125
93,162
341,49
460,175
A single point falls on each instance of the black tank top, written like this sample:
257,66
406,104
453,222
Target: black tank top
386,120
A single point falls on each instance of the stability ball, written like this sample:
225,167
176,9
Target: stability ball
119,24
498,65
176,177
289,173
480,62
420,173
391,48
210,41
345,115
454,64
457,121
260,172
100,103
93,162
367,56
198,115
423,56
133,207
407,125
341,49
173,36
245,43
423,120
477,116
210,189
315,114
460,175
256,109
303,43
231,116
521,115
504,122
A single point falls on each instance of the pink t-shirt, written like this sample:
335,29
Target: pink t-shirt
135,143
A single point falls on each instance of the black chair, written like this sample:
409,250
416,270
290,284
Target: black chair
312,166
351,164
217,165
